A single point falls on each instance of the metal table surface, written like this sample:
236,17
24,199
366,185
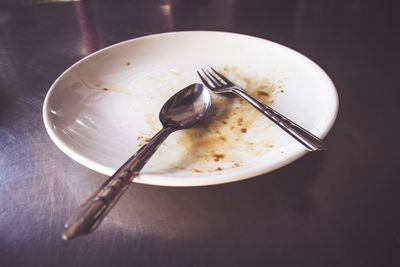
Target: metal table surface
334,208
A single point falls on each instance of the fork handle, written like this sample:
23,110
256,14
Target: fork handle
310,141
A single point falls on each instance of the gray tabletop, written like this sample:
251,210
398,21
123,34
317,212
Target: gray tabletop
334,208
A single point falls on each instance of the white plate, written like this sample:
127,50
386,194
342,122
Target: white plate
100,110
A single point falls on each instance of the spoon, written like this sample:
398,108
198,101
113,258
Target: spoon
183,110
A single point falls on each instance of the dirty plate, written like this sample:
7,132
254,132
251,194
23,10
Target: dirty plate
104,107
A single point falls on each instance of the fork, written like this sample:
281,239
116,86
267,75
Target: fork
218,83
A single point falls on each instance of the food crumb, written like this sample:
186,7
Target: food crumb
282,91
243,130
128,63
236,164
262,93
240,121
196,170
222,138
105,89
218,157
218,169
142,140
270,145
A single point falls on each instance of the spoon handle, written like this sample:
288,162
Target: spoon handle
90,214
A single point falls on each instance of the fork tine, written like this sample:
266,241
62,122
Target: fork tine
206,83
211,79
222,77
217,81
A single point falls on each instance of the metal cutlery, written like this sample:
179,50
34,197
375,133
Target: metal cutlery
218,83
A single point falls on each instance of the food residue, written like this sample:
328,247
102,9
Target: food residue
218,157
219,137
231,130
142,140
262,93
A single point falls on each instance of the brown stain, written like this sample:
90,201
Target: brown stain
262,93
231,68
179,168
128,63
97,85
218,157
229,118
141,140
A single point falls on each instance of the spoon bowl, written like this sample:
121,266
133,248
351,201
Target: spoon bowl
186,108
